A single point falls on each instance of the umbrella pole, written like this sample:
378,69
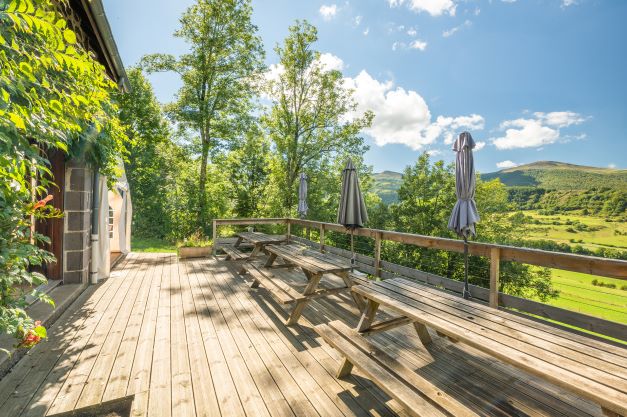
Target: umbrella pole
466,292
352,252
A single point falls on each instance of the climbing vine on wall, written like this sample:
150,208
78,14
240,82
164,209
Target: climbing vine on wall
53,96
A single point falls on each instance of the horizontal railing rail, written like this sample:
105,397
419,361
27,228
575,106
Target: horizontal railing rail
374,265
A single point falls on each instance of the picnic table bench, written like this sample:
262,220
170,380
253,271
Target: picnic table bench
313,264
589,368
257,239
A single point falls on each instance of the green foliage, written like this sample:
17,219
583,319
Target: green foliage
247,167
154,160
218,76
195,240
426,197
53,95
307,120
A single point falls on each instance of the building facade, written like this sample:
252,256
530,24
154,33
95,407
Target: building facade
93,215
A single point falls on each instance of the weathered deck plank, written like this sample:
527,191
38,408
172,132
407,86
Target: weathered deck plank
189,338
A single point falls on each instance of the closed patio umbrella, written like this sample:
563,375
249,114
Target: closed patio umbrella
465,214
302,196
352,211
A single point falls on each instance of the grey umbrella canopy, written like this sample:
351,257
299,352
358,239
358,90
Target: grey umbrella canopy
465,214
352,211
302,196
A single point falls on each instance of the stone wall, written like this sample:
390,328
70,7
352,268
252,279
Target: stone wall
77,222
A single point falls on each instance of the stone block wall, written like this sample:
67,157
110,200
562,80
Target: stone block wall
77,222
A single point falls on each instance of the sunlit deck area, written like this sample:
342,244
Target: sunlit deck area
190,338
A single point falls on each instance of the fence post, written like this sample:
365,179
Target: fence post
215,236
495,265
377,255
321,237
289,229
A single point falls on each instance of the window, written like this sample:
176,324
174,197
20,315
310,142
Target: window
110,222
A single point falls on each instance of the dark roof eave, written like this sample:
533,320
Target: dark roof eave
95,11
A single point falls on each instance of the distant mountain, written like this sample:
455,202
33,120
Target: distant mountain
386,185
552,175
549,175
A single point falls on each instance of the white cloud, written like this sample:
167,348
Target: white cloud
412,32
566,3
479,146
357,20
330,62
433,7
402,116
612,166
418,44
506,164
453,30
561,118
542,130
366,32
434,152
328,12
508,1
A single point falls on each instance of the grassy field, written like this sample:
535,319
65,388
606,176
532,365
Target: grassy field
577,293
587,231
152,245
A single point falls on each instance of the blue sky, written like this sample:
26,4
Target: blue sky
530,79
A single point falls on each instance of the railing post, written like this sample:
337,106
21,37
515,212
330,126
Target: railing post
377,255
289,230
321,237
215,236
495,265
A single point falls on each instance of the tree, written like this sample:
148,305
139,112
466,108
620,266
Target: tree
153,158
218,75
247,168
309,120
426,198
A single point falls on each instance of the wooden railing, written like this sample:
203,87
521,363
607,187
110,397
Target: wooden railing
613,268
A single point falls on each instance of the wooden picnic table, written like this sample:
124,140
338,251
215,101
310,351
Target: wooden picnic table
259,241
590,368
313,264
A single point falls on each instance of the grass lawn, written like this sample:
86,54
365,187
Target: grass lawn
152,245
609,234
578,294
576,290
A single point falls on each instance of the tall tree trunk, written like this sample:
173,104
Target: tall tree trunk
203,222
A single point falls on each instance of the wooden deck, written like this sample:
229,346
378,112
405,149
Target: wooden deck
189,338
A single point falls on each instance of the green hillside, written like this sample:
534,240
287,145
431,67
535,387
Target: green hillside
551,175
386,185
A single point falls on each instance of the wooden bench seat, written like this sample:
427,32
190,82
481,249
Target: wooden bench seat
279,289
234,254
416,394
589,368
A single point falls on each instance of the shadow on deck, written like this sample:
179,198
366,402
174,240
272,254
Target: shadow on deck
189,338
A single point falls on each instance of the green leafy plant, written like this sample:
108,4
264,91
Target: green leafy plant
195,240
53,96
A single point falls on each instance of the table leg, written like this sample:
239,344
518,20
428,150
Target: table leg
270,260
423,333
368,315
314,280
349,283
239,241
345,368
255,251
